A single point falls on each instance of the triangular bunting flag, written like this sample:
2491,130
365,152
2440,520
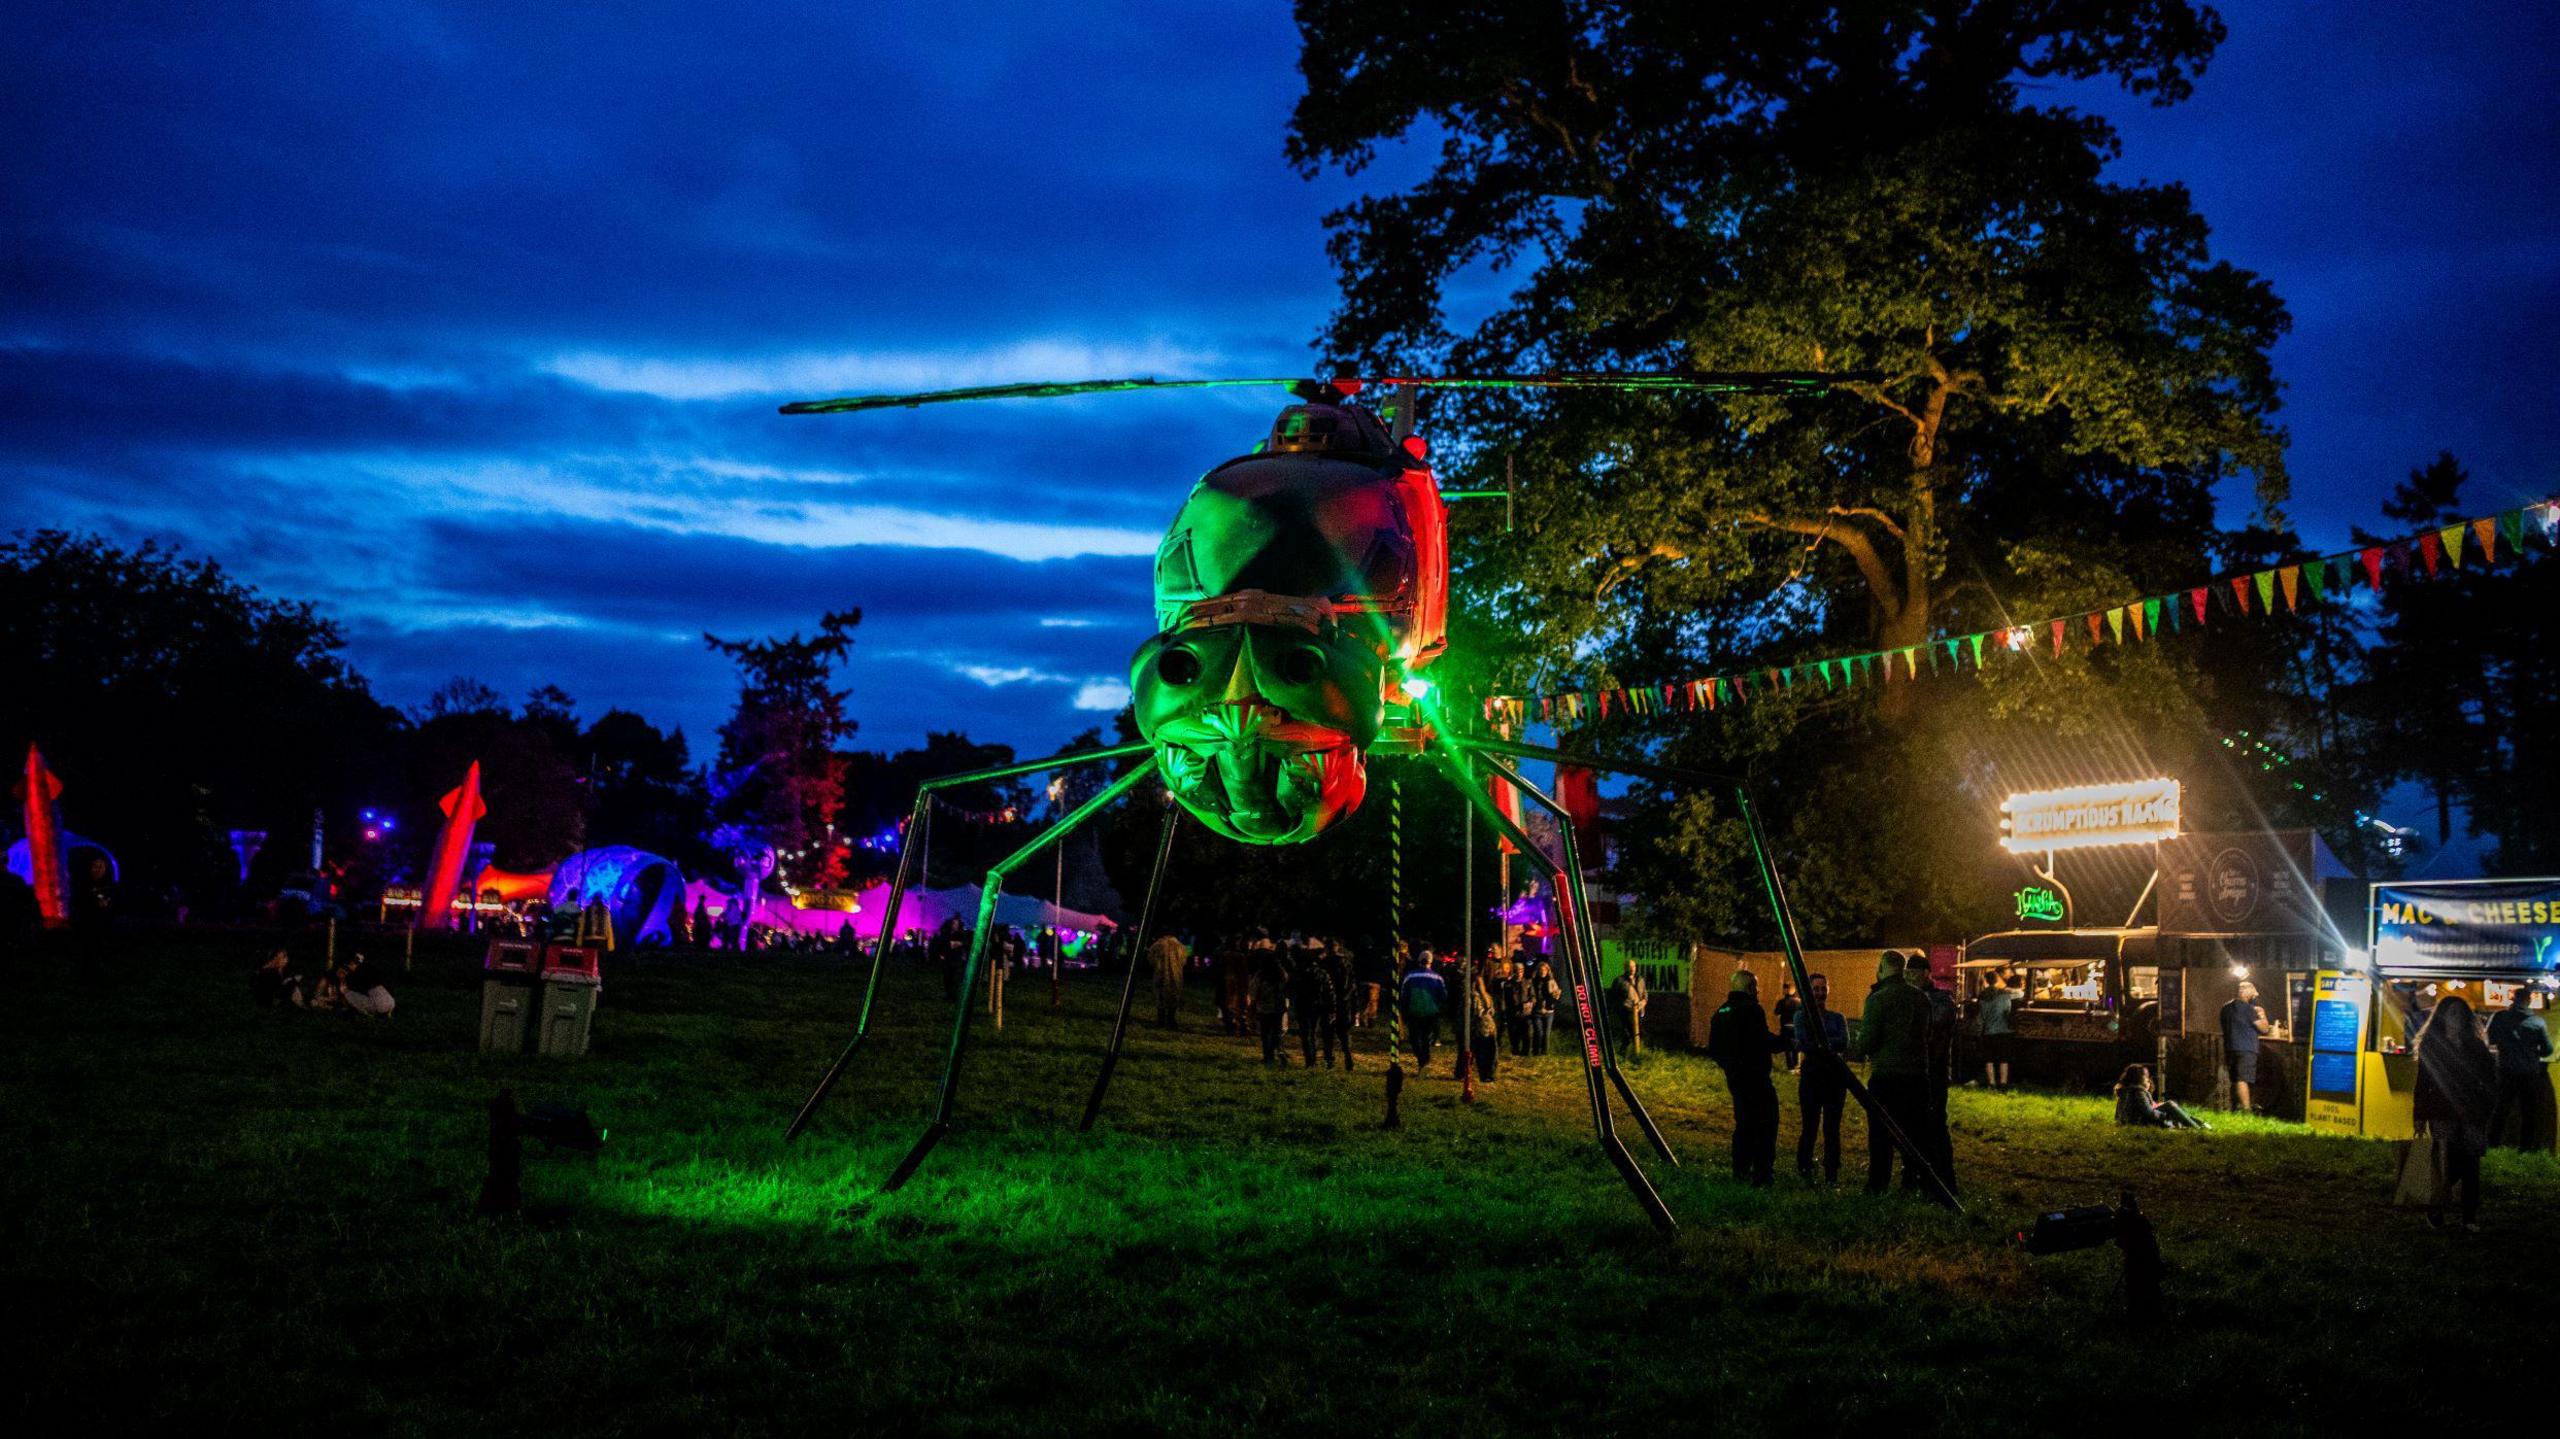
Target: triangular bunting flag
2057,639
1977,651
1826,674
2432,548
2240,592
2266,580
2452,537
2511,525
1911,660
2317,571
2133,612
2487,530
1953,656
2198,596
2092,618
2151,617
2291,578
2372,560
2115,623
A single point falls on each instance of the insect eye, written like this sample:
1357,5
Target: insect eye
1300,666
1178,667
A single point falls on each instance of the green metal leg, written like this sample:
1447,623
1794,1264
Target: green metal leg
1129,984
1784,913
908,850
941,1122
1452,763
1581,901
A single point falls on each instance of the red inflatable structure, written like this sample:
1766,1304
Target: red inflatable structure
49,870
462,810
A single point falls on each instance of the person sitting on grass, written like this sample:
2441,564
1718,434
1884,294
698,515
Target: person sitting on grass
2136,1106
278,982
361,989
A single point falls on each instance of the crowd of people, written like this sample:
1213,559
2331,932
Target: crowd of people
349,985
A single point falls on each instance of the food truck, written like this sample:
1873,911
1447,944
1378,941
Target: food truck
2250,906
2493,942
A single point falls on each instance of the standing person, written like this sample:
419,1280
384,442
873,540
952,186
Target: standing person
1631,1002
1543,992
1485,1044
1822,1084
93,913
1893,1037
1422,995
1739,1041
1270,998
2242,1022
2456,1099
1784,1012
1944,1021
1995,1016
701,929
1311,1000
1337,1021
2523,1042
1167,959
1508,994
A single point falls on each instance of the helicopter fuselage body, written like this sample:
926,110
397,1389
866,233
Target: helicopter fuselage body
1296,591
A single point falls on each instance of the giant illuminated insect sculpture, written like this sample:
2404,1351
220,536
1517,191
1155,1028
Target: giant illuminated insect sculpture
1301,598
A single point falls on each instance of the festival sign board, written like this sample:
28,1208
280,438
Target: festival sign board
2245,882
2467,926
2141,811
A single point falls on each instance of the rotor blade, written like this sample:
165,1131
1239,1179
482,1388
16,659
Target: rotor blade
1701,382
1036,390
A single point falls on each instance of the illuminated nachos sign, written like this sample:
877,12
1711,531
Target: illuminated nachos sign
2143,811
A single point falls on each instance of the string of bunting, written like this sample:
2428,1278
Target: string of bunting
2424,555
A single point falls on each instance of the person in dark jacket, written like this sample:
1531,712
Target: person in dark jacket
1337,1032
2457,1097
1822,1086
1311,1001
276,982
1422,996
1539,995
1789,1005
1944,1020
1739,1041
1270,996
2135,1105
2523,1043
1893,1037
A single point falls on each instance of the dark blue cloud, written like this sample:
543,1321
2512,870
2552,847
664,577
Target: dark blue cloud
470,319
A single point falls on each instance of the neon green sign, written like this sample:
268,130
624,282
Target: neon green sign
2039,903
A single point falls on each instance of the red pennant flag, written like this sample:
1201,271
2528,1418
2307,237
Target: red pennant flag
2431,548
2198,596
1578,793
2240,592
2372,559
2057,639
2094,621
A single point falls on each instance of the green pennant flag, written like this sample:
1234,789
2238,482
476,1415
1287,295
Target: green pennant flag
2115,623
1826,674
1977,650
2171,610
2151,617
2317,571
2511,525
1787,677
2266,582
1954,654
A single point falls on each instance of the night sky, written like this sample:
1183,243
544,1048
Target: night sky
470,321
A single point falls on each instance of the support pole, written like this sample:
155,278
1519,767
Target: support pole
1467,965
916,846
1054,834
1137,956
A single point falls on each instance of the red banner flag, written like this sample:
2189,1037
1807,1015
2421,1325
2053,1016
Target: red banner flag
2372,559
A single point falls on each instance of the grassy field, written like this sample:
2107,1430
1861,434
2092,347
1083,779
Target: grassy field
225,1220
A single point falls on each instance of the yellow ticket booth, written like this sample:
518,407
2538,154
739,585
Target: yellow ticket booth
2493,943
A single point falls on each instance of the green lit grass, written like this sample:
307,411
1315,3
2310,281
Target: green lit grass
264,1221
